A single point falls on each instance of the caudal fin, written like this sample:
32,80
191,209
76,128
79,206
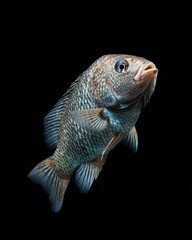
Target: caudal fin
46,175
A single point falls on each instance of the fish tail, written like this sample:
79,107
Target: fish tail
51,181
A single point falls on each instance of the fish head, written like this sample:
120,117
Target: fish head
122,81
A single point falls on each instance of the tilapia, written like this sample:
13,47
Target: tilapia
99,110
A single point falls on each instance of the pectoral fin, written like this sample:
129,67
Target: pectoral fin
132,140
91,119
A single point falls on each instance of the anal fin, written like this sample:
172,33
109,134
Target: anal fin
87,173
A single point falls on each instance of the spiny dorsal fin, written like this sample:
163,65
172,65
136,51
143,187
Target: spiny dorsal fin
132,139
52,123
87,173
52,120
46,175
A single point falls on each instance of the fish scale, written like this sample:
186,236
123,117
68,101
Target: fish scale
97,112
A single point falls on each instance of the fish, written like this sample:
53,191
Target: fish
98,111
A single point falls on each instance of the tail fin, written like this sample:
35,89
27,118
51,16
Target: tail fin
46,175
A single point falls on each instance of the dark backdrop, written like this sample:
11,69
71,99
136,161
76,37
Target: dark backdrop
147,194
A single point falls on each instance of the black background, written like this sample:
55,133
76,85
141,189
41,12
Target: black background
147,194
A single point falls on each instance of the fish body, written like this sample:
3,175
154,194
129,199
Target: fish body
99,110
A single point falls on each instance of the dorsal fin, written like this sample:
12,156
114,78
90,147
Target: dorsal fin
53,119
52,123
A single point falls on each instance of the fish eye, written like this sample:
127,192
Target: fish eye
121,65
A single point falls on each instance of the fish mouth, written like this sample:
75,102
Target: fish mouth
147,76
146,72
